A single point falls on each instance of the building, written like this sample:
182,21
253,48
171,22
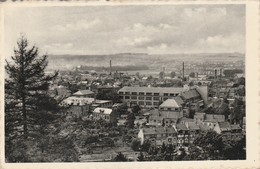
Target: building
84,93
224,129
173,104
158,136
164,118
183,134
148,96
212,119
105,114
78,106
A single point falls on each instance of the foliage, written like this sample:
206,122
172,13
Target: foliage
120,157
109,95
136,145
130,120
192,74
231,72
136,109
172,74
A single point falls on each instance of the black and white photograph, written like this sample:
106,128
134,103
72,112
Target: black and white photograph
125,83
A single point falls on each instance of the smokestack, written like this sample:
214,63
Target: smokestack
216,71
110,67
182,70
163,72
220,73
197,75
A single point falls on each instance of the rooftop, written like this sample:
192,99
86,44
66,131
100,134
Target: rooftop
103,110
193,93
173,102
83,92
152,89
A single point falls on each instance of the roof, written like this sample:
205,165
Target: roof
103,110
235,127
171,103
193,93
204,127
192,126
83,92
81,101
200,115
159,130
181,126
214,118
224,126
152,89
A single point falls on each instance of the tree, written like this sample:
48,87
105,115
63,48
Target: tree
141,157
120,157
109,95
161,75
130,120
136,109
211,145
192,74
29,110
136,144
172,74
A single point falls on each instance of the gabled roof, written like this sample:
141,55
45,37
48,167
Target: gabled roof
152,89
235,127
224,126
192,126
181,126
103,110
169,103
193,93
83,92
214,118
204,127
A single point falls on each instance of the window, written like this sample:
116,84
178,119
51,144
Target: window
149,94
141,98
133,97
148,98
127,97
165,94
169,109
155,103
134,102
141,103
121,97
121,92
148,103
134,93
172,94
156,98
127,92
141,93
156,94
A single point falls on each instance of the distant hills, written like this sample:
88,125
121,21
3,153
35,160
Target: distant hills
137,59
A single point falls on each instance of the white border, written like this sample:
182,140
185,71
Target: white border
252,92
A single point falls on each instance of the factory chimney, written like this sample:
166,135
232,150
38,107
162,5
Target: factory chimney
216,71
110,67
182,70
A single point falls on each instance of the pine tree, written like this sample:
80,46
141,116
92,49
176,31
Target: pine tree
28,107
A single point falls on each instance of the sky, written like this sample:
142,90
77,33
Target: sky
153,29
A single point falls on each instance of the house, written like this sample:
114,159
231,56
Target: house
84,94
212,119
164,118
105,114
194,131
223,128
183,134
199,117
173,104
236,132
158,136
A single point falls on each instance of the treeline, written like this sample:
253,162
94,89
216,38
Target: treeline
114,68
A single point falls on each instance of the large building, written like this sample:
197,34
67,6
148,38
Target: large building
148,96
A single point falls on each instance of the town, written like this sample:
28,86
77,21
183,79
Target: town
124,115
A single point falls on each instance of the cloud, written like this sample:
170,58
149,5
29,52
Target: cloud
59,48
77,26
127,41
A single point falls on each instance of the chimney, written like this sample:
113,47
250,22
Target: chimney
216,71
197,76
182,70
110,67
